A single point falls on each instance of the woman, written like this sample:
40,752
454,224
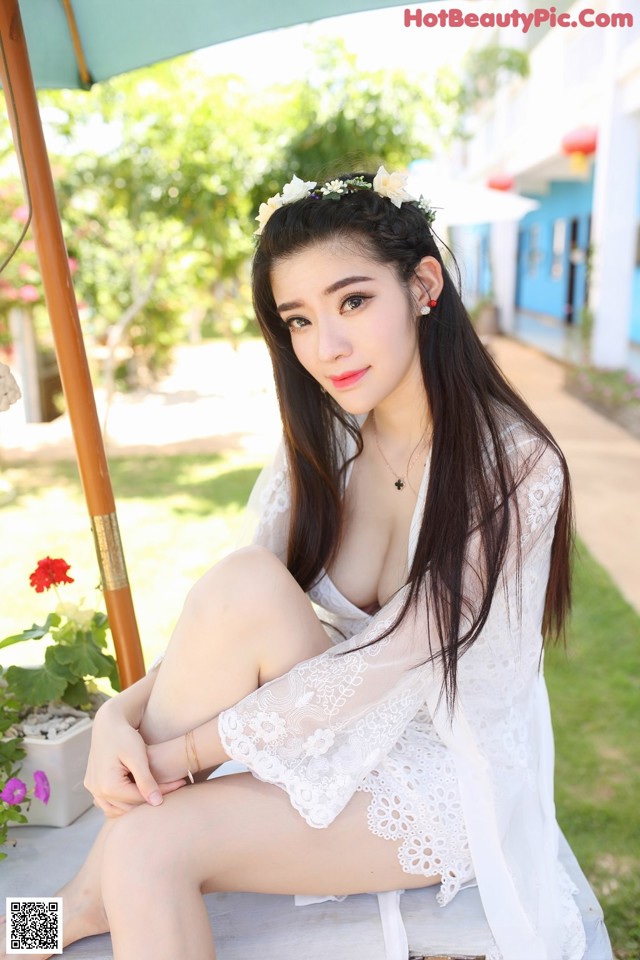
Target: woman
427,512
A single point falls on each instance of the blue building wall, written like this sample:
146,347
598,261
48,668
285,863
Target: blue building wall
545,250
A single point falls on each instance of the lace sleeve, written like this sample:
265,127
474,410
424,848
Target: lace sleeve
319,729
266,520
316,731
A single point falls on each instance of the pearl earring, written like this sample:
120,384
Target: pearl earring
428,307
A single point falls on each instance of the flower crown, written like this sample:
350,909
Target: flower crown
391,185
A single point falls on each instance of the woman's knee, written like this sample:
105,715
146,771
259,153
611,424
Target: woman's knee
135,844
148,843
239,581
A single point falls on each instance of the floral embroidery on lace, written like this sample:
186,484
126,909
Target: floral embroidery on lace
274,499
267,726
292,755
543,497
416,801
319,742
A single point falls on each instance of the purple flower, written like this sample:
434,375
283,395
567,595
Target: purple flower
14,792
42,789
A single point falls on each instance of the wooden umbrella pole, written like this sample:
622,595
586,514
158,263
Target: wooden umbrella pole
22,106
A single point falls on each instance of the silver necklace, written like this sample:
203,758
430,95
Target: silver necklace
400,482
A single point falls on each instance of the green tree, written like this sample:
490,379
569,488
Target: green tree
461,92
154,199
342,119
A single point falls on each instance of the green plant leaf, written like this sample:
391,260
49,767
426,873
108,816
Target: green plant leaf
35,686
16,814
11,752
81,659
114,676
35,632
76,694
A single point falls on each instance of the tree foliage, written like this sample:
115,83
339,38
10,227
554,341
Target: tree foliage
342,119
156,210
461,92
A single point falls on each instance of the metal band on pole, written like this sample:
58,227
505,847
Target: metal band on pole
22,106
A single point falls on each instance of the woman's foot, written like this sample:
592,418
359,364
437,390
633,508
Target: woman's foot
83,916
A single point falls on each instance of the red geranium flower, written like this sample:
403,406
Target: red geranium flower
48,573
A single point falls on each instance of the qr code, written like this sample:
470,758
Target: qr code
34,925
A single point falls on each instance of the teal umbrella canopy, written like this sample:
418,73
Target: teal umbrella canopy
114,36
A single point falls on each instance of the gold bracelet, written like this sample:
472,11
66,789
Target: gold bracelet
190,745
186,749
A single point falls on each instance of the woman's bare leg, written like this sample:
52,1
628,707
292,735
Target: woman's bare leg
232,833
83,911
244,622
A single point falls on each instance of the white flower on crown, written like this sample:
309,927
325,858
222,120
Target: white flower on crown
296,189
333,186
392,185
266,210
389,185
9,390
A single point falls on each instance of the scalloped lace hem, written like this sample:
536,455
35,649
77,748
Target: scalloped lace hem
425,847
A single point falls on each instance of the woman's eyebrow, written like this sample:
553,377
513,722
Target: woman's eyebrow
294,304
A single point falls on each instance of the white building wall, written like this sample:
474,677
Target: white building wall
578,77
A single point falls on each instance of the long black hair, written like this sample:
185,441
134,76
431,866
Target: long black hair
470,403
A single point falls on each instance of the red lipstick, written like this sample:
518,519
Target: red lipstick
348,379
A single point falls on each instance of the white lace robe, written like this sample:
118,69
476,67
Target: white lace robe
318,731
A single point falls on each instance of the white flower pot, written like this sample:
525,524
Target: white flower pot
64,760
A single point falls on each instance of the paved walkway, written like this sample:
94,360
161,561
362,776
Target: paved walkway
604,461
217,399
561,340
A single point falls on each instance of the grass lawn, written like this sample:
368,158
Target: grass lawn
595,698
179,514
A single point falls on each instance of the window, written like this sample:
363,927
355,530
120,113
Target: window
558,243
534,253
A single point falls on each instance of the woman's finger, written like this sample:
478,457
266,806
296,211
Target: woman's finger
172,786
137,764
108,809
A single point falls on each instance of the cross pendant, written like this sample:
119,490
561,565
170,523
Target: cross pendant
399,484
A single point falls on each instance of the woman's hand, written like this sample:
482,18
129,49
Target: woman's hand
167,761
118,773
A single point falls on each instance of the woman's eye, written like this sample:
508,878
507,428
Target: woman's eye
354,301
296,323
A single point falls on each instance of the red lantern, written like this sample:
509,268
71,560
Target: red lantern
578,145
500,181
583,140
